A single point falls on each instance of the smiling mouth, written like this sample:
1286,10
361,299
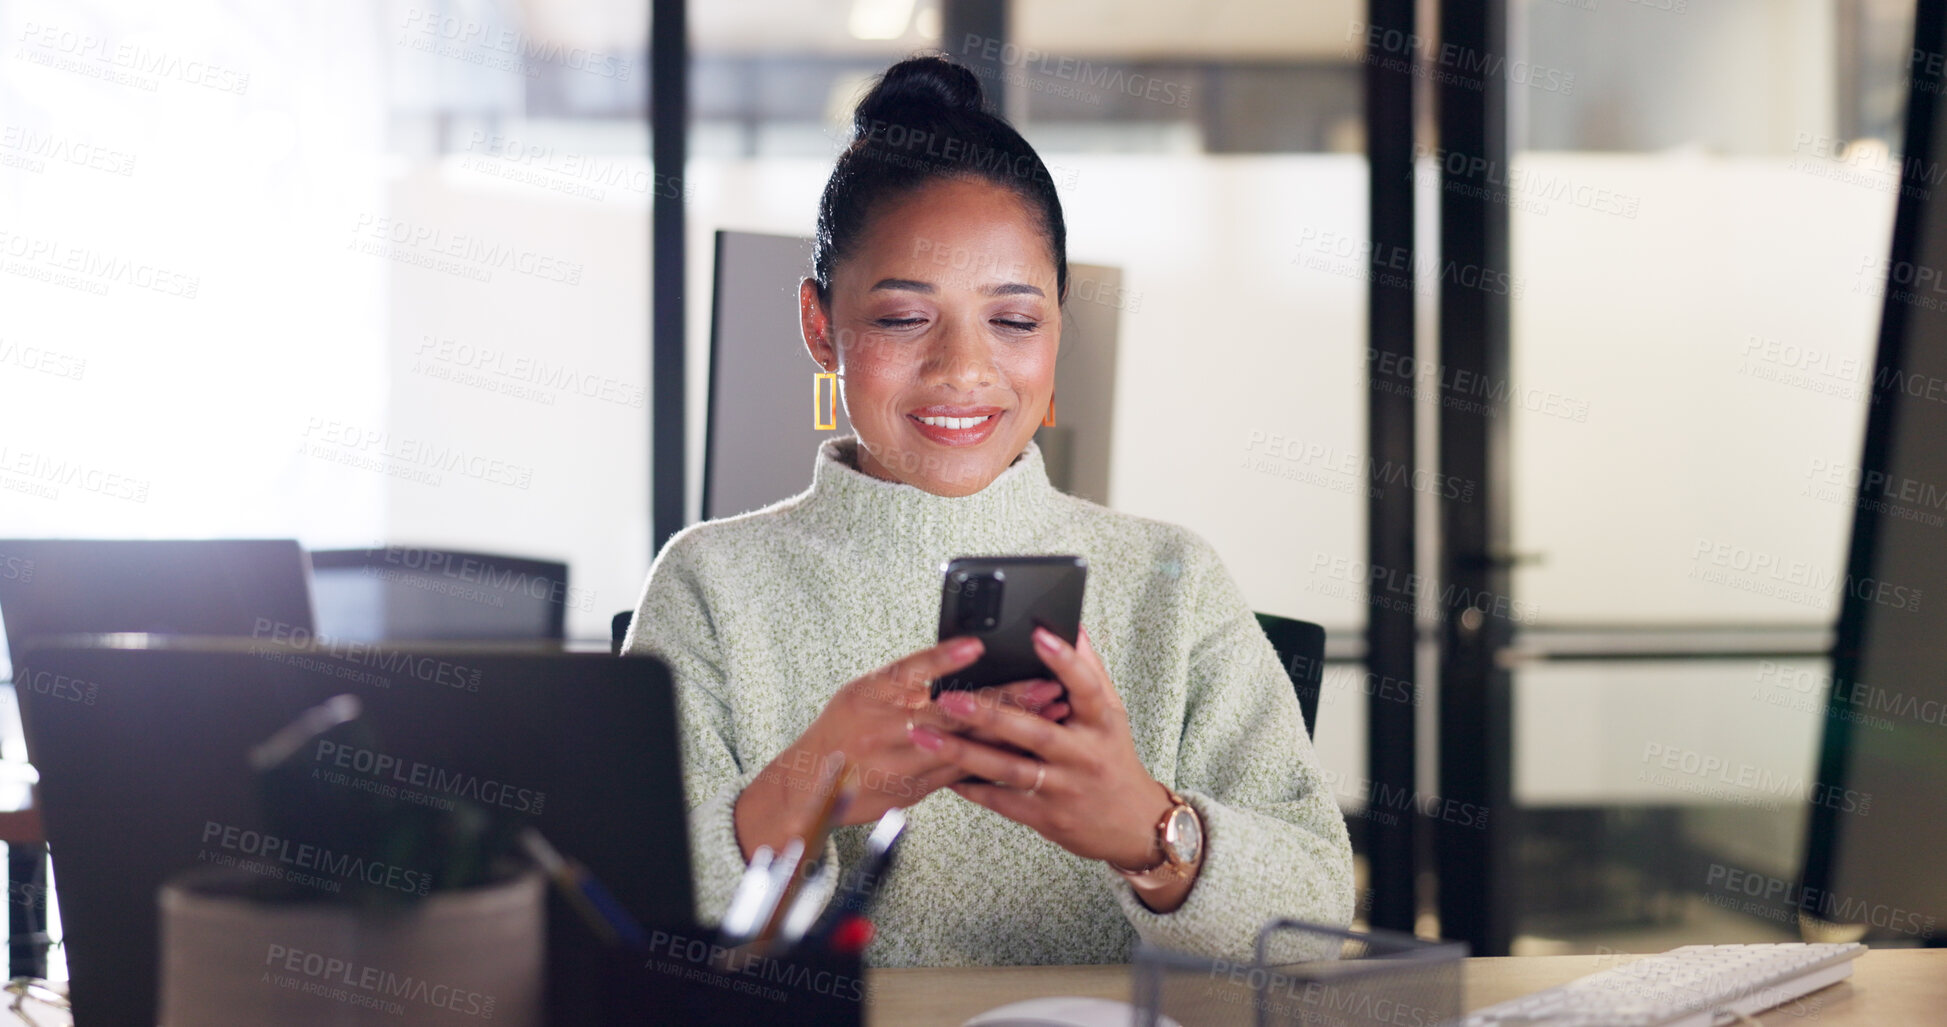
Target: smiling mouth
954,422
947,425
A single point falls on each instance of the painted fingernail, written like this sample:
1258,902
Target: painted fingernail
925,738
1044,691
957,703
1044,640
965,647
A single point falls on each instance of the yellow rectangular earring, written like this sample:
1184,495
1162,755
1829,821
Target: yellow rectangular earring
1049,420
819,401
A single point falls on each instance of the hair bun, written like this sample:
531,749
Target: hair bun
918,90
926,120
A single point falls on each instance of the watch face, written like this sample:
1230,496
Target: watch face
1183,836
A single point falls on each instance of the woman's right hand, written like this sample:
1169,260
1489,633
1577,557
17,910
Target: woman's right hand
867,720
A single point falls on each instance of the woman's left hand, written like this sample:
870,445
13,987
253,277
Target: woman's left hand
1094,797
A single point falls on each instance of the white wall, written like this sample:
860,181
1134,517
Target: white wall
544,373
214,312
1717,377
1666,327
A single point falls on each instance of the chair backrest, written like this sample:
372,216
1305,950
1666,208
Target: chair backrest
1301,648
406,593
618,629
234,587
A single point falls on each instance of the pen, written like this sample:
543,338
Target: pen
339,709
803,911
851,904
806,909
777,881
840,786
740,919
587,895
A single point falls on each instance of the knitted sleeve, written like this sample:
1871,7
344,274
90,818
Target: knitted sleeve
674,622
1276,841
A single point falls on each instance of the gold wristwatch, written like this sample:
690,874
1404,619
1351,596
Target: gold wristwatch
1180,835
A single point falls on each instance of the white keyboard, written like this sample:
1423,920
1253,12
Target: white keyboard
1692,986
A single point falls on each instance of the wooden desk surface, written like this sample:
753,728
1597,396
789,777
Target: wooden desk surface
1888,986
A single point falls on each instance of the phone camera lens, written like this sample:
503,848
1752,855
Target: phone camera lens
980,604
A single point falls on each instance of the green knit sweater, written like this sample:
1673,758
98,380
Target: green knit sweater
763,616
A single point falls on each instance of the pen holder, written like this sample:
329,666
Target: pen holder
462,957
689,976
1305,974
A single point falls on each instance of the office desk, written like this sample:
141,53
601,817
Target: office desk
1888,986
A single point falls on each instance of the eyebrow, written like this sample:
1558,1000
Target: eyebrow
914,285
1013,289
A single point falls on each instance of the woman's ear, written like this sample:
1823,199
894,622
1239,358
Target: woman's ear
816,323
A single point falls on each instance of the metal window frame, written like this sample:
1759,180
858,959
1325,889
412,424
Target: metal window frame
1476,736
1392,524
669,114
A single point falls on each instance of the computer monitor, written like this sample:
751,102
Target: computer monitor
141,746
1876,837
414,594
759,435
168,587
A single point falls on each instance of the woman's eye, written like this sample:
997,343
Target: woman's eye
1017,326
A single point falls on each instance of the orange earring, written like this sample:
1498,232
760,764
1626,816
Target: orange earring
823,402
1049,420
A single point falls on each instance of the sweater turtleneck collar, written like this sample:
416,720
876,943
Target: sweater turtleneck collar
908,522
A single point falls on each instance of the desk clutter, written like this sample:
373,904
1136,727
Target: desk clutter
462,939
444,924
389,810
788,951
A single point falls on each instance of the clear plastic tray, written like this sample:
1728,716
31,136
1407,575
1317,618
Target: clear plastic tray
1305,974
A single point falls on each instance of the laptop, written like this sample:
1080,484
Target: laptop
166,587
141,746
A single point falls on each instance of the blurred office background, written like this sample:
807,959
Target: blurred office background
378,272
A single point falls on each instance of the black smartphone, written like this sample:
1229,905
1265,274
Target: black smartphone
1002,599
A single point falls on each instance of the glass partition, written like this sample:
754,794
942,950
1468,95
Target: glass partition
1700,214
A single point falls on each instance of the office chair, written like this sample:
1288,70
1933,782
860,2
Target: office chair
1301,648
405,593
159,586
618,629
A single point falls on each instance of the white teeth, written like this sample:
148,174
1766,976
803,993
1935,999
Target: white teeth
953,422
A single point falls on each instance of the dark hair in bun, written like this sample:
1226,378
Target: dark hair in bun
926,119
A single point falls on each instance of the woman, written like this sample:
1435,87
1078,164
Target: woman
1036,814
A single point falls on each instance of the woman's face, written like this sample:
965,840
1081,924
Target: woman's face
942,325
